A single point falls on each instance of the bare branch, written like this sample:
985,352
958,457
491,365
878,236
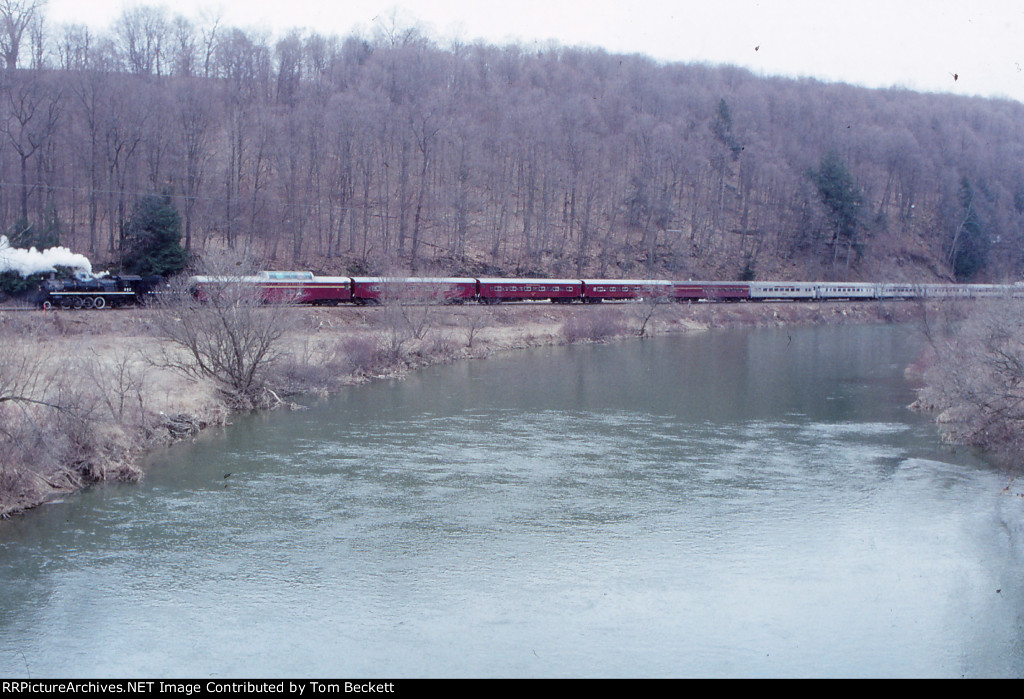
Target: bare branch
15,18
231,336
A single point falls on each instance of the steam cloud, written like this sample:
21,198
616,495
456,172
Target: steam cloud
31,261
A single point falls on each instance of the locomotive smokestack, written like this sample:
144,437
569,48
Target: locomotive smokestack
32,261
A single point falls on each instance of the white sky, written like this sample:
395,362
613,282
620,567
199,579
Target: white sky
917,44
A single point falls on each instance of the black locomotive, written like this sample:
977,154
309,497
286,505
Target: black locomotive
84,290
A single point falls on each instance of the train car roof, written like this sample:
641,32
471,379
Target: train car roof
512,280
700,282
207,278
627,281
777,283
285,275
416,280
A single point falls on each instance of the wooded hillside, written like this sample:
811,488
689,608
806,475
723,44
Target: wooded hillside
350,154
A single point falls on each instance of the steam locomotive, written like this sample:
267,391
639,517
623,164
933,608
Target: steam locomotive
84,290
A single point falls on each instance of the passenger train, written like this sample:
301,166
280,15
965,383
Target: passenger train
307,288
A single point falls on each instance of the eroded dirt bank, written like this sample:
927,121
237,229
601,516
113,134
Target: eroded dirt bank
118,402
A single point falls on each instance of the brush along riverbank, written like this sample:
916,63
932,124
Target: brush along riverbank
85,395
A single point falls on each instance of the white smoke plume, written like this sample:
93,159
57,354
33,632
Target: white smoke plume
31,261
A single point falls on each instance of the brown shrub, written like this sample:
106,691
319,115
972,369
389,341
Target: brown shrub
976,382
594,325
362,355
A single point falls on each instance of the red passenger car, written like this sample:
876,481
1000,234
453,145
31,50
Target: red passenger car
413,289
595,290
710,291
304,287
282,287
555,290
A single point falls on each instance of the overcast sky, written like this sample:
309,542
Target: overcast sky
970,48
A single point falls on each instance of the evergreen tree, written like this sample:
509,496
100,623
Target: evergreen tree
721,127
968,251
39,236
843,202
153,238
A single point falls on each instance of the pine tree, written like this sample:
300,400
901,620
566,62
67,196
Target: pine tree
968,251
843,202
153,238
721,127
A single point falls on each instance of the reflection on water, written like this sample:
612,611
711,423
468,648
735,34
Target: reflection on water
735,503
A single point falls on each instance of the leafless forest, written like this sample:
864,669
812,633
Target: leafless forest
391,151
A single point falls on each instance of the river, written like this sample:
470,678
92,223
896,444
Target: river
731,503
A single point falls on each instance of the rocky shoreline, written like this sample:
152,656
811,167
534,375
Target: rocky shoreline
126,404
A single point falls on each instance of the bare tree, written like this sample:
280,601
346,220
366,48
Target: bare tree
230,336
120,386
649,305
425,128
976,383
53,433
195,122
36,418
410,310
24,377
186,48
34,107
475,319
145,34
15,18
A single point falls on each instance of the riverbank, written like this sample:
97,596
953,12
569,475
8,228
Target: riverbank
972,373
97,397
